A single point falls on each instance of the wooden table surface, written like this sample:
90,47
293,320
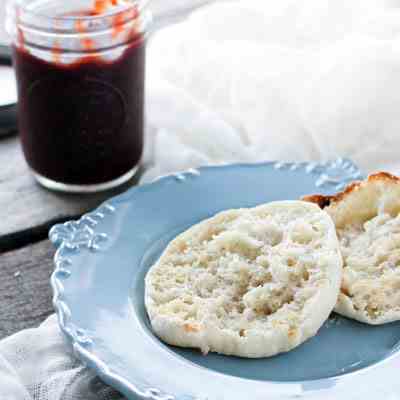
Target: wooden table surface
28,211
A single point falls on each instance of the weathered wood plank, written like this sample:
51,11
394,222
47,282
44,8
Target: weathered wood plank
25,294
27,210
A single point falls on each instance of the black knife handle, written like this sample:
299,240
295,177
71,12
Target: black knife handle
5,55
8,120
8,113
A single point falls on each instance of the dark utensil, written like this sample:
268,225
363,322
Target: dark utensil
5,55
8,112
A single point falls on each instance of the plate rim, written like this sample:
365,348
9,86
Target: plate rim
76,337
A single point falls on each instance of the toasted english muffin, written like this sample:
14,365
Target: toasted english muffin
249,282
366,216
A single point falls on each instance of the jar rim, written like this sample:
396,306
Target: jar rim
34,29
18,7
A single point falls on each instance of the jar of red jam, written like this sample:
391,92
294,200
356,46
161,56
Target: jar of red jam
80,68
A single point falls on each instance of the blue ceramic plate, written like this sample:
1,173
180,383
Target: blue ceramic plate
101,263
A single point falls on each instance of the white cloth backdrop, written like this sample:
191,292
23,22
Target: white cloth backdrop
246,80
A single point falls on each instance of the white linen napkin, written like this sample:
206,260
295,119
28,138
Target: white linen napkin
246,80
287,80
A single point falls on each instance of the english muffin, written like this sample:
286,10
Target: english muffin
366,216
247,282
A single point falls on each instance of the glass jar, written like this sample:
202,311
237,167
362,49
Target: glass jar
80,68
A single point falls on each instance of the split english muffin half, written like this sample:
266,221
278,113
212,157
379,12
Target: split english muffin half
248,282
366,216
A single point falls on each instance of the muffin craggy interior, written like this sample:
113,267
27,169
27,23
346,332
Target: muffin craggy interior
249,282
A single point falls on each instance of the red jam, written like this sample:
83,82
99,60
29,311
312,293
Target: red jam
82,123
